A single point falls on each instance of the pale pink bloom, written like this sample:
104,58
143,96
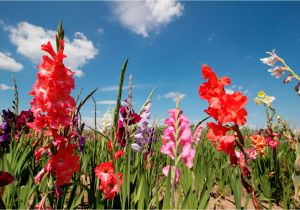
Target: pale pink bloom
42,204
252,153
197,135
167,149
177,172
188,154
277,71
270,60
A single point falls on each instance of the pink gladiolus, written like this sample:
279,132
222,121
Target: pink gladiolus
188,154
177,122
273,144
177,172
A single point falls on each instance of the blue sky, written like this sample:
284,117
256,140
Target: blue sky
166,43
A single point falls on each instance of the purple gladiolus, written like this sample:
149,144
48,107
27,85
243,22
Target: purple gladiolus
81,144
144,134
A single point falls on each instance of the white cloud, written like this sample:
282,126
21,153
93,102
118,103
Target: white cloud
5,87
175,95
9,63
28,39
107,102
143,17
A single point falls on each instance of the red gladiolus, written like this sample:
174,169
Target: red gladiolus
108,181
5,178
52,106
52,103
118,154
227,144
215,132
223,107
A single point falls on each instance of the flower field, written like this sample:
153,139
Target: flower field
51,160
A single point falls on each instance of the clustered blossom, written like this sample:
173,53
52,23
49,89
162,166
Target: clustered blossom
228,109
52,106
108,180
52,103
107,121
263,98
271,137
259,143
129,117
179,124
144,134
278,71
19,122
224,108
271,60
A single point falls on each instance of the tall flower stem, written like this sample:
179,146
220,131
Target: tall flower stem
286,67
246,185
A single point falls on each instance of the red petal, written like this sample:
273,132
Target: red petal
5,178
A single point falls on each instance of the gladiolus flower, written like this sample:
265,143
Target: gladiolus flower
227,144
270,60
273,144
118,154
108,181
277,72
259,143
223,107
178,123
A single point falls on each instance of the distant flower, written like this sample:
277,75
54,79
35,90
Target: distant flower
108,181
129,117
262,97
107,120
81,143
259,143
273,144
277,71
145,134
252,153
271,60
5,178
118,154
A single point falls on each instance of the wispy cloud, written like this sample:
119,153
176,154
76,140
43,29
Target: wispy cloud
229,91
125,87
100,31
143,17
247,57
174,96
5,87
107,102
28,39
8,63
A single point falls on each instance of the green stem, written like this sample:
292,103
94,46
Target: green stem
289,69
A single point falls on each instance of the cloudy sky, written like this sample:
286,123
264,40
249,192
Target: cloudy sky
166,42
